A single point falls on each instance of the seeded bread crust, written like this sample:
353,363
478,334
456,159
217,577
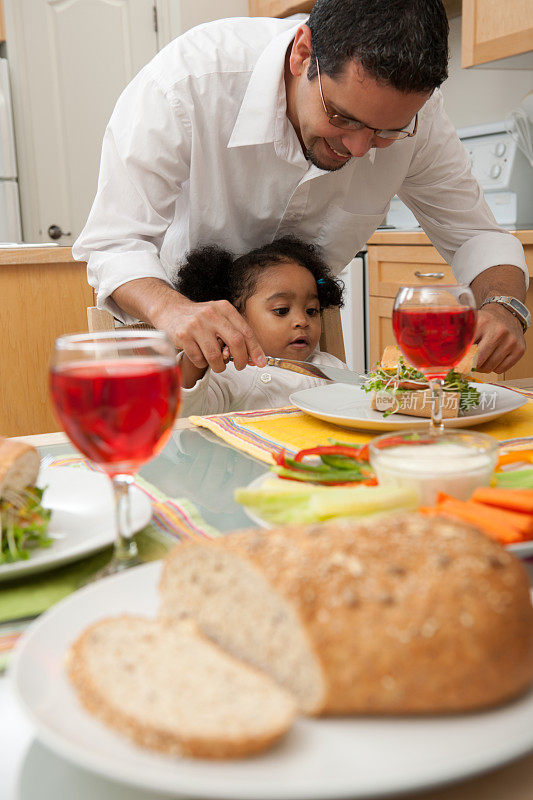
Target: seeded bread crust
19,465
166,736
404,614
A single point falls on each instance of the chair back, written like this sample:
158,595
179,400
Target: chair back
98,320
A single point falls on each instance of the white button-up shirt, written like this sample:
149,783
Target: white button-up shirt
199,150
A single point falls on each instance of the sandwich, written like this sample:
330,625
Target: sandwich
23,520
398,387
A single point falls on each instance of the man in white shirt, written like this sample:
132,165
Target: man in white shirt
243,130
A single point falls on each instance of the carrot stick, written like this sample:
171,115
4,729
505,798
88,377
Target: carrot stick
497,524
513,457
516,499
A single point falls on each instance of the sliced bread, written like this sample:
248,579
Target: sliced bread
403,614
19,465
173,690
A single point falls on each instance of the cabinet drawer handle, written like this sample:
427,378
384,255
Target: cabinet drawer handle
429,274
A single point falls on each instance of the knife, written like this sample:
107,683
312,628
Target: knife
314,371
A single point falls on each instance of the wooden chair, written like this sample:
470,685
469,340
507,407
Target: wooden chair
331,340
98,320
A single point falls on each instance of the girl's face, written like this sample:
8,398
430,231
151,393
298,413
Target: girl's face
284,311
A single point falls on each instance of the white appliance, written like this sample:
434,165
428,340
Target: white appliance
10,224
501,168
353,315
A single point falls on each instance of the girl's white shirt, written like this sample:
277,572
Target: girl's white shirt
251,388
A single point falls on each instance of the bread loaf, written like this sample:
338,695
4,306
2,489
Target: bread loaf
396,616
19,465
175,691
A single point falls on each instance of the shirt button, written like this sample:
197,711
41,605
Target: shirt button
266,377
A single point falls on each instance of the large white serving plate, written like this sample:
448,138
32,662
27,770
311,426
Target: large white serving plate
520,550
330,758
83,518
349,406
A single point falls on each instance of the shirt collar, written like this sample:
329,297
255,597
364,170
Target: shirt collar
265,99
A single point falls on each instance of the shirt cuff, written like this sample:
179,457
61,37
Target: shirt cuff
486,250
106,272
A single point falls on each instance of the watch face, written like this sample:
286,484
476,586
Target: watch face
521,309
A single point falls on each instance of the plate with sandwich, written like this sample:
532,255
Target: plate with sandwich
54,515
395,396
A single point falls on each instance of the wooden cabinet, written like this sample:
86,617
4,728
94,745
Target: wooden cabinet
493,29
44,294
396,258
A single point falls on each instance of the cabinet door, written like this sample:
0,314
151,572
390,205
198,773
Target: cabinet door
69,62
55,296
493,29
379,327
392,266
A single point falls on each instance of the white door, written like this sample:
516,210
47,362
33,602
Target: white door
69,61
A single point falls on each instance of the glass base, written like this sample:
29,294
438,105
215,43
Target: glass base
127,559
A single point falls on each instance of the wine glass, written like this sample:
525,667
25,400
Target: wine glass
116,395
434,327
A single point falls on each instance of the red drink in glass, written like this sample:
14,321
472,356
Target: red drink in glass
434,339
119,413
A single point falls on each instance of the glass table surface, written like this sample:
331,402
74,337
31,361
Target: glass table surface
199,467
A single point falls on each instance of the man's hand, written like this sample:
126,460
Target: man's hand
500,339
199,329
498,334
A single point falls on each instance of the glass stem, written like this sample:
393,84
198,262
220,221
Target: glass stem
125,545
437,396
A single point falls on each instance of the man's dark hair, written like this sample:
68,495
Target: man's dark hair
402,43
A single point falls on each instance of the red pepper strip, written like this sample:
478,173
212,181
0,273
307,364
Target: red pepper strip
327,450
279,459
359,452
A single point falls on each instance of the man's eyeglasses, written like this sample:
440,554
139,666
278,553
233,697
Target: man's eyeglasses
350,124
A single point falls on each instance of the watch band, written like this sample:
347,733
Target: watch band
514,306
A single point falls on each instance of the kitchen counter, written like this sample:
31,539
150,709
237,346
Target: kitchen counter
35,254
393,236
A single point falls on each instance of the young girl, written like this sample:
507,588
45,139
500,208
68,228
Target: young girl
281,290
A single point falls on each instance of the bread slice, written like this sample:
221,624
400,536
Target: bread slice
415,403
19,465
175,691
404,614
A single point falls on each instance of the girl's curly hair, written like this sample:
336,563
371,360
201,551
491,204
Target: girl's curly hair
210,273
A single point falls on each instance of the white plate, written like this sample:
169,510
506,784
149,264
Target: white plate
349,406
330,758
520,550
82,519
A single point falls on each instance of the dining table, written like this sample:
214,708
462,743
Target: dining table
200,467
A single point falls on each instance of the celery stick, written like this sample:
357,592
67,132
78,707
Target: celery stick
362,500
513,479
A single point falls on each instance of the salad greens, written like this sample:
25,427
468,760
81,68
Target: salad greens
382,380
23,524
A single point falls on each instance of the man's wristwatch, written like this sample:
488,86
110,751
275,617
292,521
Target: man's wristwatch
517,309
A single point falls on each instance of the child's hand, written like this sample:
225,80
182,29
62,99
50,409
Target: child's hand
190,373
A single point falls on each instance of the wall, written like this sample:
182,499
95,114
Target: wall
476,95
177,16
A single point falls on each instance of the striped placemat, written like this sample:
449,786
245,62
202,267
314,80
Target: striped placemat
263,434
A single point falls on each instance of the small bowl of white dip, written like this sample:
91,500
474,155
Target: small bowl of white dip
455,463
